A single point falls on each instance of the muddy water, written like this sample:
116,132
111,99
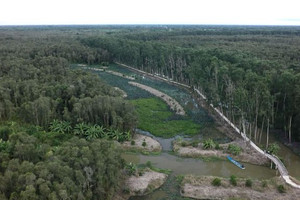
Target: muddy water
290,159
196,166
183,166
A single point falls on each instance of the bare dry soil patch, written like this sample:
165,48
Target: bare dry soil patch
202,188
151,144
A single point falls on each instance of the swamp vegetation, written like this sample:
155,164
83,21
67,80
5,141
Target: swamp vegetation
57,123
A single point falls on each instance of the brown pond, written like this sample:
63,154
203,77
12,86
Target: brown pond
182,166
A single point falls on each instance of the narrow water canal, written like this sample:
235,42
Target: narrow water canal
182,166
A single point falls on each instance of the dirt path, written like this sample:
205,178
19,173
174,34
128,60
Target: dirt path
174,105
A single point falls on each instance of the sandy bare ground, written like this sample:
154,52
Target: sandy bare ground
92,68
156,76
248,154
120,74
109,71
201,188
151,144
174,105
142,185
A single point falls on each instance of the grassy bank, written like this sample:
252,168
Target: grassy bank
155,117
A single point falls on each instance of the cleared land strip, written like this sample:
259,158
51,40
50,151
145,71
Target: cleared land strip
153,75
174,105
109,71
282,169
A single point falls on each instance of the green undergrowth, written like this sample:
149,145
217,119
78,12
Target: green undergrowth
155,117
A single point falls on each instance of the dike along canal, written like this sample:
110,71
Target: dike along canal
183,166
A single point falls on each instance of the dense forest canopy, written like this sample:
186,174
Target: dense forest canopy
53,116
32,168
38,86
252,71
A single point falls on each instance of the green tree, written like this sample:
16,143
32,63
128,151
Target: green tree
208,144
234,149
273,148
233,180
80,129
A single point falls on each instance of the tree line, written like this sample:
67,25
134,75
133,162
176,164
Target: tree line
56,123
37,85
252,75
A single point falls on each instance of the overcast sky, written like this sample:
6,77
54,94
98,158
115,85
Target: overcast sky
54,12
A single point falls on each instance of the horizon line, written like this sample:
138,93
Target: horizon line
147,24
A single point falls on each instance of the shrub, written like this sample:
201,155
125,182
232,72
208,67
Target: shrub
132,142
144,144
216,182
264,184
179,179
195,143
234,149
141,173
4,133
217,146
5,146
183,143
249,183
208,144
273,148
126,191
281,188
149,164
233,180
131,168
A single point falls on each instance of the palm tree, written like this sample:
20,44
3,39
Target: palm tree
56,126
101,131
80,129
53,125
67,128
116,135
94,132
60,126
109,133
126,136
208,144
